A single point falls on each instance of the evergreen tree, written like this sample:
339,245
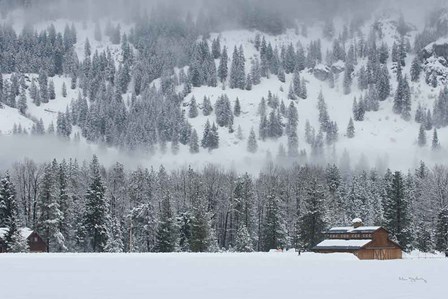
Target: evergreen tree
350,129
312,222
201,230
9,212
193,110
348,78
22,105
442,230
243,241
223,68
166,235
194,142
435,141
421,136
96,212
207,108
252,145
396,209
237,72
275,233
64,90
237,108
51,217
416,69
51,90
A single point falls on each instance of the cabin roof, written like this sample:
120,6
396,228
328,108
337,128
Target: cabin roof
351,229
25,232
340,244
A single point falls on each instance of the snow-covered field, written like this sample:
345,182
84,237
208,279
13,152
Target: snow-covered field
227,275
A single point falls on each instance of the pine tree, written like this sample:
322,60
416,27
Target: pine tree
205,142
223,111
64,90
9,212
96,213
237,73
351,129
348,78
397,209
435,141
312,222
50,217
193,110
194,142
416,69
303,90
214,137
166,235
207,108
223,68
421,136
275,234
201,230
281,75
252,145
243,241
237,108
22,105
442,230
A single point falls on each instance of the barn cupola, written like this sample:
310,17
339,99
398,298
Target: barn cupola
357,222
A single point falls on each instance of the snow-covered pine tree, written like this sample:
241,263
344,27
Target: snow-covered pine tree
237,108
243,241
350,129
96,215
252,145
166,234
312,222
421,140
207,108
9,213
397,209
50,215
275,233
194,142
193,108
435,141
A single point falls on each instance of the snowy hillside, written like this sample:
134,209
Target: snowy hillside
383,139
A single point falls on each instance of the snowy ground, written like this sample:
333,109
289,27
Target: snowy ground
230,276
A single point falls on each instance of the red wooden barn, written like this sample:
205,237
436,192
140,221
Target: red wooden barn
366,242
35,242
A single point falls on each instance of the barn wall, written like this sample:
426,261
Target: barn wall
36,246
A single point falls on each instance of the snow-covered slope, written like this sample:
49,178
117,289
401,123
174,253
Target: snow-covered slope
382,139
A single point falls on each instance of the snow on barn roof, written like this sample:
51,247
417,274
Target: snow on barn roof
25,232
351,229
342,244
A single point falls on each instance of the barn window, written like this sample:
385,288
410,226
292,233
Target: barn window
35,239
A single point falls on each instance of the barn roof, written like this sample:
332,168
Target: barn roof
25,232
351,229
338,244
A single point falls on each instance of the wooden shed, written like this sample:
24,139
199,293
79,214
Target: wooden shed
366,242
35,242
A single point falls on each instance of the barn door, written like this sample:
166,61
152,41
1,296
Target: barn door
380,254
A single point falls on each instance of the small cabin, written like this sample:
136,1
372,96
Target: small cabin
366,242
35,242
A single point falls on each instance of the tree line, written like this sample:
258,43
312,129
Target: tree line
89,208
